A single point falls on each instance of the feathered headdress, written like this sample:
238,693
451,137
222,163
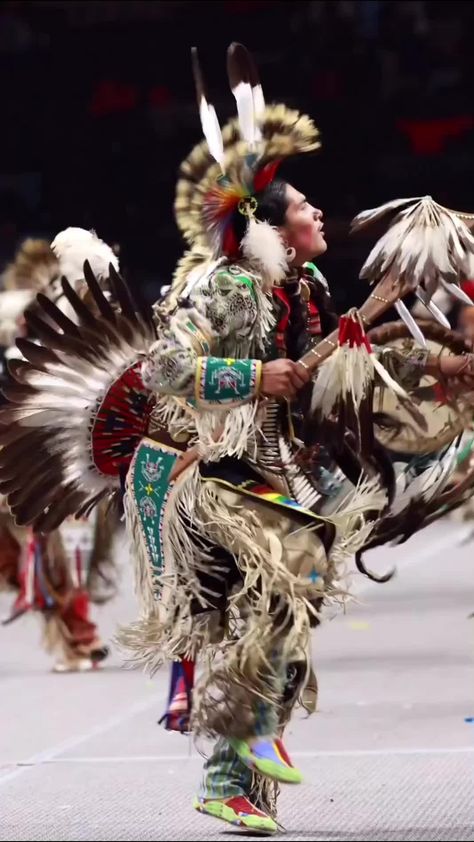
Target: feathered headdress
227,171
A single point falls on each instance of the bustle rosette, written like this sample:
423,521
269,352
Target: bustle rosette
78,406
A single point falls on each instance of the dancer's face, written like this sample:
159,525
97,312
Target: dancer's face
303,229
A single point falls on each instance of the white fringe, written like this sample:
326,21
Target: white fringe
266,318
218,431
228,432
174,415
348,374
166,629
353,530
368,495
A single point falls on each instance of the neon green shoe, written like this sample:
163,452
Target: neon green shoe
237,810
269,757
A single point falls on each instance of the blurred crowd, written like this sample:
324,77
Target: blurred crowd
98,110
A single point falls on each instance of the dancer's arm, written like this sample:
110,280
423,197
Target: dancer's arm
199,353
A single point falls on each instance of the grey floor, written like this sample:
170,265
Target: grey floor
390,754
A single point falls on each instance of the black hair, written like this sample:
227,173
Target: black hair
272,204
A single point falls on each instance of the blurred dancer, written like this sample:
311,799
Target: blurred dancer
58,575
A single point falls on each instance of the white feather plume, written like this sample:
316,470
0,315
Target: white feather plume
209,121
258,101
263,247
367,217
259,110
74,246
247,90
245,109
212,131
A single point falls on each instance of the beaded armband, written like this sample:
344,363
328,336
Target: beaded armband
226,381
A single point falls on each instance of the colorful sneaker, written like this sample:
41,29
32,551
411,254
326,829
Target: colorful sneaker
269,757
238,811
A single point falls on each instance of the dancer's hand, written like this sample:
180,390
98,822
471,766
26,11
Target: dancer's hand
460,368
453,366
283,378
457,373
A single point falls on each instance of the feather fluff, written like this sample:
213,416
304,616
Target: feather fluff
74,246
264,248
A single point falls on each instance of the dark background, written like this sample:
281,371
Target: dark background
98,110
